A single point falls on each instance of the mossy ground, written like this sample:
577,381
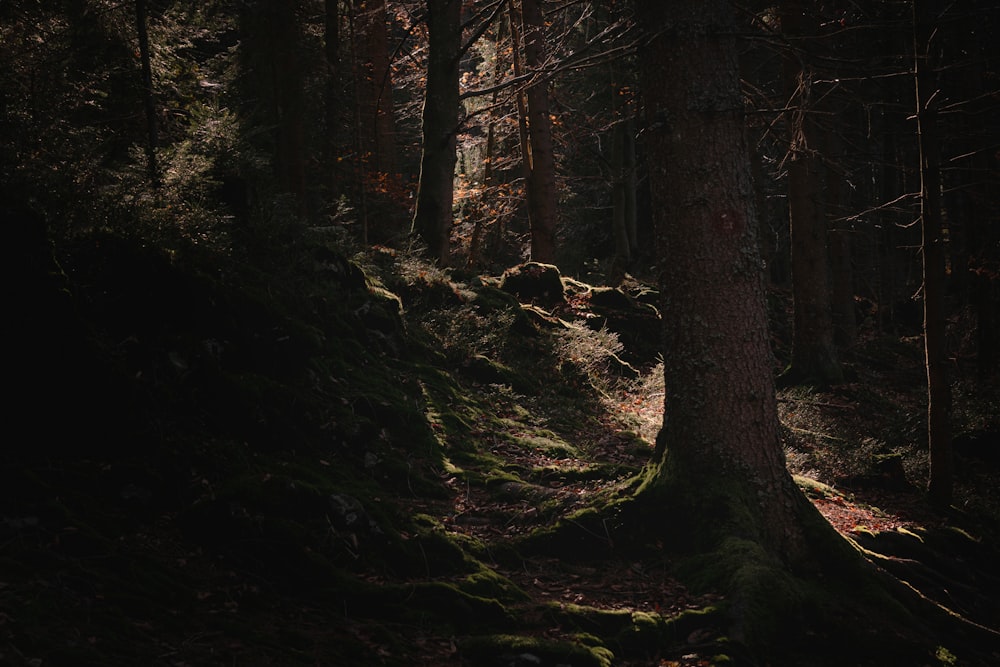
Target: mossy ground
240,469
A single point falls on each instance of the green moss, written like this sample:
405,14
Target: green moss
433,551
542,441
486,582
634,633
765,597
503,649
816,489
481,369
582,535
584,473
449,603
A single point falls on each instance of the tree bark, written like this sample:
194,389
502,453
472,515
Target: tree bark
378,133
273,70
933,249
814,357
623,249
432,218
542,177
331,34
719,440
479,227
522,108
149,102
289,101
623,182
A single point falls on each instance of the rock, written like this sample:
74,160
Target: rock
534,282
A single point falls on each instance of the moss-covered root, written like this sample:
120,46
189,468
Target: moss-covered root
777,609
783,616
504,650
600,637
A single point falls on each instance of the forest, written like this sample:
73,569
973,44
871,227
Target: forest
500,333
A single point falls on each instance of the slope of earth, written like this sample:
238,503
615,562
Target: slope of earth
324,464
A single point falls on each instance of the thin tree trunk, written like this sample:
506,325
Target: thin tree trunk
432,218
478,229
630,181
619,225
274,80
624,223
332,93
149,101
542,178
375,85
288,91
522,109
814,357
841,255
361,135
331,33
933,250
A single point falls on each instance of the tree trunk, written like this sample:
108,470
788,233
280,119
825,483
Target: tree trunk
375,117
432,218
522,108
623,182
273,71
973,236
378,133
541,188
147,94
720,440
933,249
619,225
331,34
332,96
631,181
841,254
718,484
479,226
288,83
814,357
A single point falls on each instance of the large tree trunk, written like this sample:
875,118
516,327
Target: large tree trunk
720,440
933,250
432,218
718,484
542,175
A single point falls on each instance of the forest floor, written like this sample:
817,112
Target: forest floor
231,477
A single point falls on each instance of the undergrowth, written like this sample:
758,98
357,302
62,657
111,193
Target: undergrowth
362,438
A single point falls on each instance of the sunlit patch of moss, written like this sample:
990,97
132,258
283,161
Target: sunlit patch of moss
542,441
486,582
945,657
520,649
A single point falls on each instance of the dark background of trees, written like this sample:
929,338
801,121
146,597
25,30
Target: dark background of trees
272,117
